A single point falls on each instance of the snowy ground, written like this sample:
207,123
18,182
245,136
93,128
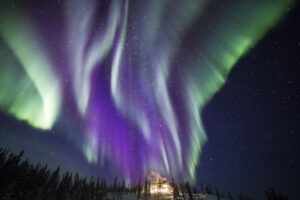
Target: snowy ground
162,197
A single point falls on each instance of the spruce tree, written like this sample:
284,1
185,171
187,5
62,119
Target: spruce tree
189,191
146,188
139,189
218,194
230,196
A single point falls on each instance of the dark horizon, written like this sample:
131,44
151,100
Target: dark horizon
21,179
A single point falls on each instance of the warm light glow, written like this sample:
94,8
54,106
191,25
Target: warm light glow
157,188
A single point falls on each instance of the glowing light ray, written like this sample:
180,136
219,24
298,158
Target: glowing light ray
219,58
200,86
115,88
168,115
102,45
20,36
176,31
79,15
141,75
163,101
25,99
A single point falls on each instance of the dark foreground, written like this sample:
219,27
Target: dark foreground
20,179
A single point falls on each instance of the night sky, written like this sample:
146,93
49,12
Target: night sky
201,90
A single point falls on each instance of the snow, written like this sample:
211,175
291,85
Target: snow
162,197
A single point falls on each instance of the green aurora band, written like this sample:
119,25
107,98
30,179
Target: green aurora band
31,89
230,39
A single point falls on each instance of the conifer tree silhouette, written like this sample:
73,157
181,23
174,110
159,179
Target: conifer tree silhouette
20,180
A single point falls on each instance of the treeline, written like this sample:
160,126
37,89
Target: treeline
184,191
21,180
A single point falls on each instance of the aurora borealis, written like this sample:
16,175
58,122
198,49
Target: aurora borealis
134,74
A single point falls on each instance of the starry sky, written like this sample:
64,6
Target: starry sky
205,91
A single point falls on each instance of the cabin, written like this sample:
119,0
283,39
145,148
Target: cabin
161,186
